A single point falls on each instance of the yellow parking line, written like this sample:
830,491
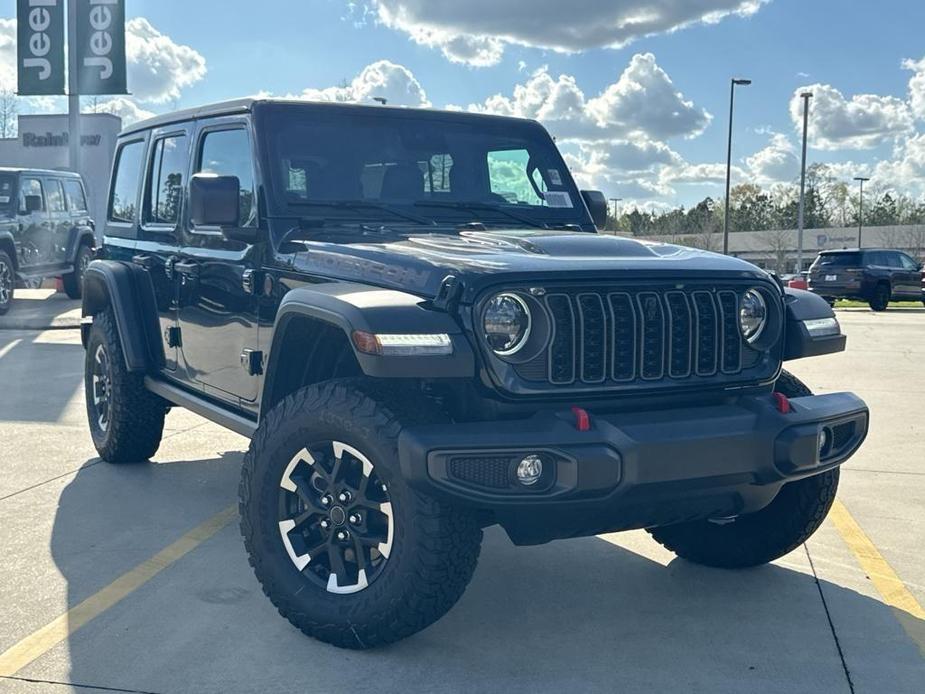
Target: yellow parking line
40,642
891,588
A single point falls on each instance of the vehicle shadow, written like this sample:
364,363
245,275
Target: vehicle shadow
22,356
40,309
582,615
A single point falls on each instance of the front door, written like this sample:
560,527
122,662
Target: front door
911,277
36,234
59,218
216,276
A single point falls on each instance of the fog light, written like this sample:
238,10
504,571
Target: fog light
529,470
823,440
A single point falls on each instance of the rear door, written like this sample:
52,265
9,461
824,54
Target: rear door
218,309
162,206
36,234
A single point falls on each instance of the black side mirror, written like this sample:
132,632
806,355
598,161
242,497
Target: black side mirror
33,203
215,202
597,206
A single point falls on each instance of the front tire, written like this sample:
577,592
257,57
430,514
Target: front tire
345,549
881,298
73,282
761,537
126,420
7,282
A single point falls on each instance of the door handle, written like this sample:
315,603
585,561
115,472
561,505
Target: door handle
187,269
145,261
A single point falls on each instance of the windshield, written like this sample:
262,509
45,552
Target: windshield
7,186
838,260
440,170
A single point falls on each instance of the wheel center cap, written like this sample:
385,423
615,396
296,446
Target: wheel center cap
338,515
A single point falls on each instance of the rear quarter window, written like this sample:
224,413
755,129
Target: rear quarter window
76,199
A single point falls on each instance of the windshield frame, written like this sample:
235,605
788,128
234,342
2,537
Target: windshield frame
267,115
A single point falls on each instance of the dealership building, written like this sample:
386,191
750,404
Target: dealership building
776,250
42,143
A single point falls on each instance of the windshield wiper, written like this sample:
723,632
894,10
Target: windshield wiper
368,205
483,207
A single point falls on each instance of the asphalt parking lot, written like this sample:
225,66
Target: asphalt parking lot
134,578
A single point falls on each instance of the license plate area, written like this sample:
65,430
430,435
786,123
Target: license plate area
831,278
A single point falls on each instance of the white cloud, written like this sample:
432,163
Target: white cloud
158,68
7,53
906,171
643,102
701,174
776,163
916,86
382,79
863,121
476,32
127,109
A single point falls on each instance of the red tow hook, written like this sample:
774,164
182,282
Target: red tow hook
782,403
582,418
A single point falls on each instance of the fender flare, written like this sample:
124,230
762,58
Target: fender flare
802,305
127,290
78,235
350,306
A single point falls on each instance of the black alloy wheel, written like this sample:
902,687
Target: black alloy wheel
335,517
101,389
7,282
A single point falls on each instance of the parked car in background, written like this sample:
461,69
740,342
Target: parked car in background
874,275
45,230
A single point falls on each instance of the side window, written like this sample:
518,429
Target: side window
508,178
165,181
126,178
55,196
907,262
30,186
228,153
891,260
74,193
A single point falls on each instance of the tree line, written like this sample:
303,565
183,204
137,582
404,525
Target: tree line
830,202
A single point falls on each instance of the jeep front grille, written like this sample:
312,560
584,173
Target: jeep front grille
621,337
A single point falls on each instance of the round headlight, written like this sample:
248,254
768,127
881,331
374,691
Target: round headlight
753,315
506,322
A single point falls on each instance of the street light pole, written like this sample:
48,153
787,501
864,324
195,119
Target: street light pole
733,83
616,207
861,180
73,99
806,96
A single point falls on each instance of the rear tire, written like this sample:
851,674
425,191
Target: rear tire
73,281
7,282
339,440
881,298
761,537
126,420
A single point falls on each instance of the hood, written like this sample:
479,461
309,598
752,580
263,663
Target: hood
418,263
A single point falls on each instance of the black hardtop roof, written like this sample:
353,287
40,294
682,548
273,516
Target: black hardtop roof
240,106
37,172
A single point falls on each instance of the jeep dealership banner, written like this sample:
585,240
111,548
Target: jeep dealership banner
40,47
100,46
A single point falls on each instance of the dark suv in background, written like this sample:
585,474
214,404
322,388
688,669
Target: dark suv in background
876,276
45,230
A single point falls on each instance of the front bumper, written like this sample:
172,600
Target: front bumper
632,470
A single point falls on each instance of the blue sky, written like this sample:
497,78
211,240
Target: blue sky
870,118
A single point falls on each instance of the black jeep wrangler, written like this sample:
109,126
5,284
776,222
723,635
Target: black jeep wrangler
45,230
874,275
412,317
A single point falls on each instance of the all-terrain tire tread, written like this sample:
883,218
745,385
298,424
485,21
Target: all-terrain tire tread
450,543
73,281
792,517
136,419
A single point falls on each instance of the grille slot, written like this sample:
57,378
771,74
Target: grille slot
651,334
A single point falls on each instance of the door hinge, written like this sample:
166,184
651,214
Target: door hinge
252,361
172,334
